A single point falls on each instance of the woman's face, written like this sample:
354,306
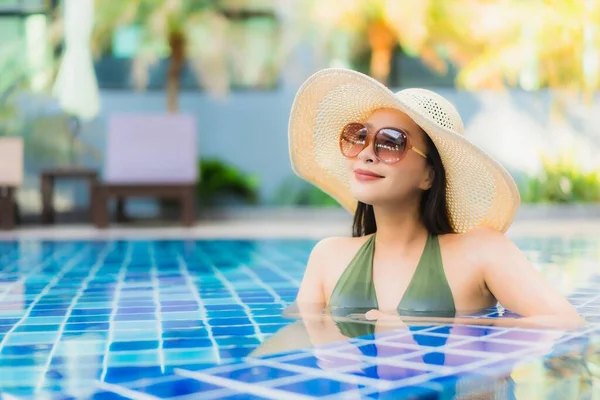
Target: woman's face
395,182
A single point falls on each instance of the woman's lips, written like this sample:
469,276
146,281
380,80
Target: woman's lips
364,175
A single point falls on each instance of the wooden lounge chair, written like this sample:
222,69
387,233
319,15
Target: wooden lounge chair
11,178
148,156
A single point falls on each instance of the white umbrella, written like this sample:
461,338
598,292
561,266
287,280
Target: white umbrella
76,86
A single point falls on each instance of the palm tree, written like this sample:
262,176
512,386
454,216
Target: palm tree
181,30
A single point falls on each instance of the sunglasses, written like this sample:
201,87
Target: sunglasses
389,144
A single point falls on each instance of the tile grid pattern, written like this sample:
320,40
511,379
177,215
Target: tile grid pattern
203,312
114,309
235,291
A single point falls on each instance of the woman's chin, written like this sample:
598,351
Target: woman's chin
369,194
366,198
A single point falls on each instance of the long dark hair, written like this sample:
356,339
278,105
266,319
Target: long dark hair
433,208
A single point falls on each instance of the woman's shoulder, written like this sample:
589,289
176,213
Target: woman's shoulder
477,243
337,250
335,244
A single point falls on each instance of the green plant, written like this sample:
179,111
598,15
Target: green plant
562,180
297,192
220,180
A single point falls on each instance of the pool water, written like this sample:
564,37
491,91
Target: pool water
203,319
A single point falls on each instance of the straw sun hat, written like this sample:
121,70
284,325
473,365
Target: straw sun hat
480,192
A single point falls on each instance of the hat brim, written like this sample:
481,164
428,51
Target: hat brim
479,192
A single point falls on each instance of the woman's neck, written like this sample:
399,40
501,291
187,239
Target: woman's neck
399,228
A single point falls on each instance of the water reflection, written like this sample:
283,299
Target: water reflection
473,361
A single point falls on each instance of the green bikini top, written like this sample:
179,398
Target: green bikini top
428,293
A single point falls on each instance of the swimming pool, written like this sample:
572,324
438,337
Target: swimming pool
147,319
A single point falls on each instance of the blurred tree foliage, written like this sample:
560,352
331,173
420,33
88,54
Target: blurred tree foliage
561,180
530,44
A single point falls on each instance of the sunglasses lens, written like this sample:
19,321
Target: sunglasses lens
390,145
353,138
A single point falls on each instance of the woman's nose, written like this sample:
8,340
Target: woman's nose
368,153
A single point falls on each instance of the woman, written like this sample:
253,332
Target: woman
430,209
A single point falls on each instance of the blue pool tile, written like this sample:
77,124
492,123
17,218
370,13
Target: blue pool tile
238,341
48,313
175,303
43,321
21,361
224,307
394,373
92,311
244,396
134,325
379,350
323,361
31,338
253,374
130,374
272,319
189,307
94,326
258,300
132,335
24,391
176,388
178,316
102,395
320,386
185,334
122,358
135,317
236,330
20,350
443,359
194,323
63,306
132,346
227,314
135,310
185,343
406,392
92,304
229,321
465,330
124,303
37,328
9,376
180,356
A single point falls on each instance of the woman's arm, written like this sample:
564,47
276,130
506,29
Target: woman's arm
311,298
518,286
